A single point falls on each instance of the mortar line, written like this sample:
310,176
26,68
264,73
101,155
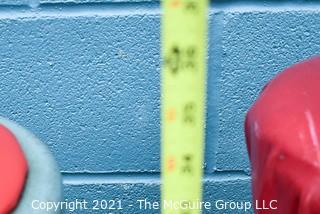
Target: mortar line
75,178
61,10
71,9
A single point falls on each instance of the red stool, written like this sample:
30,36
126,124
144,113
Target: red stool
283,141
13,169
29,174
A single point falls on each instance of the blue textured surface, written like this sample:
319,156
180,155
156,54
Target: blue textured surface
85,79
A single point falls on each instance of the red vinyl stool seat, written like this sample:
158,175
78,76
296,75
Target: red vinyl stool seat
13,171
283,141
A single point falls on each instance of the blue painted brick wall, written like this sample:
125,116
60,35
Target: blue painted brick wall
83,75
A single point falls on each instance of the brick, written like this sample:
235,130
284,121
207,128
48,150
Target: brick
87,86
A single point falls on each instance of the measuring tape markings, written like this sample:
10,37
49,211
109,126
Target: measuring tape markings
184,28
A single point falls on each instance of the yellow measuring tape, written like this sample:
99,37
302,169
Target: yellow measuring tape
183,90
